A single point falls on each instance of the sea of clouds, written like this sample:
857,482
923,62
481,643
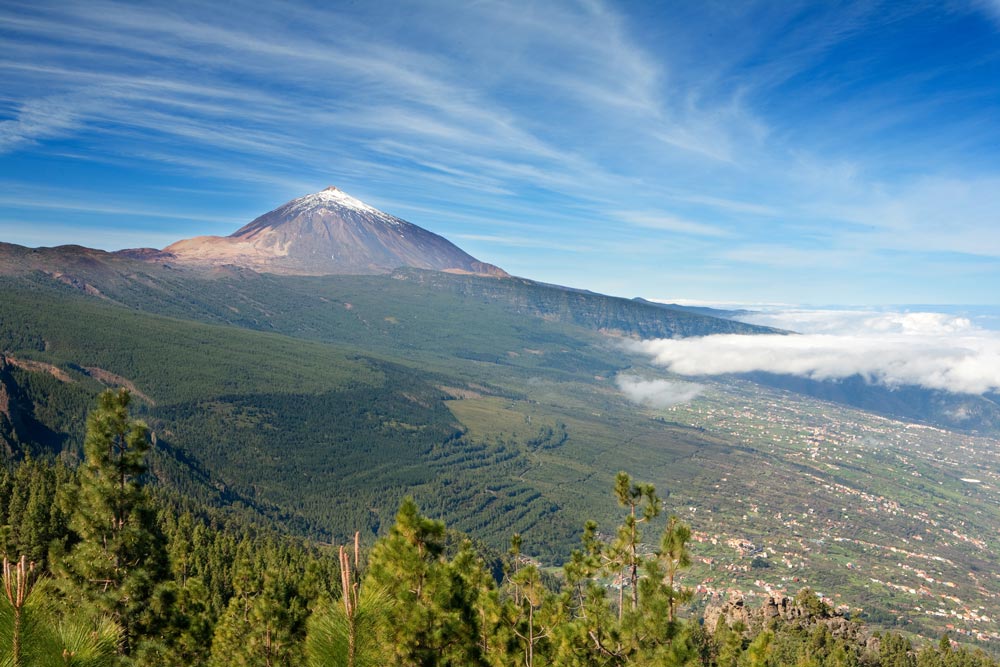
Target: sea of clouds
934,350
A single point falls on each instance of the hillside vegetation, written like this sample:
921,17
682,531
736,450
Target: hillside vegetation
99,571
313,406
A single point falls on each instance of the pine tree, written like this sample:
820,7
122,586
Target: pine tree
590,632
30,515
264,622
675,557
32,635
632,495
118,555
345,633
18,627
759,650
728,643
401,564
530,596
435,620
260,629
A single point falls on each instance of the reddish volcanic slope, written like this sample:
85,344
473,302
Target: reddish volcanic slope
329,232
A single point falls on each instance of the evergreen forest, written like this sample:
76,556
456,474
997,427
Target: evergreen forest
101,567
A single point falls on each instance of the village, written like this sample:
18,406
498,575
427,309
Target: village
866,478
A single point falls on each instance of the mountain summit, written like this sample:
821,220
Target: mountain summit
330,232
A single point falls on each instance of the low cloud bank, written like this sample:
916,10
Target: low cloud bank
657,393
930,350
863,322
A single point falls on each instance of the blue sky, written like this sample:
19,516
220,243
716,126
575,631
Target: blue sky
725,151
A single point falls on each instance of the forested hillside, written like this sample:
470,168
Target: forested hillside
314,406
356,390
100,569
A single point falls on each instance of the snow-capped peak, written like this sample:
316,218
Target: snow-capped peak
332,197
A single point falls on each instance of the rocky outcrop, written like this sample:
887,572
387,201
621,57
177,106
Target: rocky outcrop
780,610
110,379
732,612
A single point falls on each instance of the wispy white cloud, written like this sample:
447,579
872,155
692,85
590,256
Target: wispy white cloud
416,109
992,8
524,242
657,393
59,202
931,213
783,256
692,119
670,223
730,205
42,118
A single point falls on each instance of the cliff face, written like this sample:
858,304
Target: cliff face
18,424
613,315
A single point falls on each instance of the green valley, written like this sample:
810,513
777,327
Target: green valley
316,404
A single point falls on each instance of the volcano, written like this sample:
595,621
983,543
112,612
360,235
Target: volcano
329,232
